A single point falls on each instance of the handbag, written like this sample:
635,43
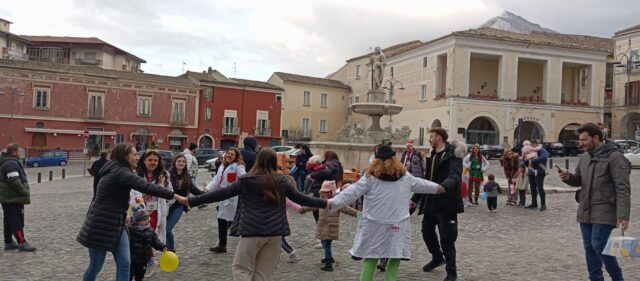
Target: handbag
622,246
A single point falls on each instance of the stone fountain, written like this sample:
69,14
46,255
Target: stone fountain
375,108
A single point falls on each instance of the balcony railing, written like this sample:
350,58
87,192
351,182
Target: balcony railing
230,130
306,133
88,62
263,132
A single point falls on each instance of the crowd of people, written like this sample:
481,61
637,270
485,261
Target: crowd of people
137,203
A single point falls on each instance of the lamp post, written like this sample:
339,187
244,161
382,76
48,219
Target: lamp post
391,85
628,64
13,93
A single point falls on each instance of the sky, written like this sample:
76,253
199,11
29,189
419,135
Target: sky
251,39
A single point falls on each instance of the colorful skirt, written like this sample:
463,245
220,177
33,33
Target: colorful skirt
476,176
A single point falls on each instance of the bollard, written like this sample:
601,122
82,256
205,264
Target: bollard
50,175
566,164
39,177
63,173
550,163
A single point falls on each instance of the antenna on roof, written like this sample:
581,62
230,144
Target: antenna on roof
235,69
183,64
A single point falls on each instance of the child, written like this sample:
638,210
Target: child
327,228
313,164
492,188
521,184
529,153
141,239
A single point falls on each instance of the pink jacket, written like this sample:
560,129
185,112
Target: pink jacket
293,205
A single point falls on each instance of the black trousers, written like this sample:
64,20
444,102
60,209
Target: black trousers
522,194
138,269
537,187
492,203
223,227
13,221
448,231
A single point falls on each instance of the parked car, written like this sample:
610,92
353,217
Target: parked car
165,155
204,154
634,157
213,163
572,148
48,158
283,149
554,148
491,151
628,144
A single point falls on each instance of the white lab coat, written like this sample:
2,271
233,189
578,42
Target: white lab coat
227,208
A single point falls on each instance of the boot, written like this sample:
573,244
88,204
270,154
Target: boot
25,247
433,264
10,246
328,266
327,260
218,249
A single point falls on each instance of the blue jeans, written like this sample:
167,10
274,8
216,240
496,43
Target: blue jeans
121,255
299,176
594,238
326,244
175,212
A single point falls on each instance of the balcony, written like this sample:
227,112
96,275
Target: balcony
14,54
88,62
574,103
230,130
263,132
306,133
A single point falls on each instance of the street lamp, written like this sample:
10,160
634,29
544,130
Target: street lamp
13,93
391,85
628,64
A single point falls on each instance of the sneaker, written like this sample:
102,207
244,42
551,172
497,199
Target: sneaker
327,267
25,247
151,267
319,246
10,246
432,265
542,208
293,258
218,249
531,207
451,277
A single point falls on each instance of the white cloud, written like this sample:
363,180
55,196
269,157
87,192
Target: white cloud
306,37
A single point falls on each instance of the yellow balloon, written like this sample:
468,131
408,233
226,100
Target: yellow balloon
169,261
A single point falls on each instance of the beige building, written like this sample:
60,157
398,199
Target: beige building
12,46
491,86
625,108
313,108
81,51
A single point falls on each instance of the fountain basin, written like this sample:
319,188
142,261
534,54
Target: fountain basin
371,108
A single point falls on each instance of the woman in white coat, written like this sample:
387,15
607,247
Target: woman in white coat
385,229
229,171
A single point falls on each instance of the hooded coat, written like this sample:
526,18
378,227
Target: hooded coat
249,152
605,195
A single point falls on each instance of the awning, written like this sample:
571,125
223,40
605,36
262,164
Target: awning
68,132
571,127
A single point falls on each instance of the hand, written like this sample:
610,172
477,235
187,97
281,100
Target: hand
206,190
412,205
623,224
165,249
182,200
440,189
162,179
302,211
127,220
565,175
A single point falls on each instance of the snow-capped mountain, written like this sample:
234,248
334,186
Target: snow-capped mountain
514,23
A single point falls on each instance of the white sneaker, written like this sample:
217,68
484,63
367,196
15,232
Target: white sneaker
319,246
293,258
151,267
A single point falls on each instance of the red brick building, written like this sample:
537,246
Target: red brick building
50,105
232,109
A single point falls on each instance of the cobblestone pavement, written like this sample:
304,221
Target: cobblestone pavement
512,244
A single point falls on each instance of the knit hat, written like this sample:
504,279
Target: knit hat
409,142
385,152
328,186
139,213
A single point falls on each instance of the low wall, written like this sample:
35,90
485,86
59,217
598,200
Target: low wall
355,155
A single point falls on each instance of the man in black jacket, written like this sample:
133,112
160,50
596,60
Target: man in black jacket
249,152
95,169
441,210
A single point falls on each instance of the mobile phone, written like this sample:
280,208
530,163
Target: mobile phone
558,167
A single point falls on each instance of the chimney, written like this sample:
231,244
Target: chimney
209,70
5,25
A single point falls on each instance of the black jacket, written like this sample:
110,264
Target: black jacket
95,171
140,242
256,217
106,216
14,186
180,187
448,173
333,171
249,152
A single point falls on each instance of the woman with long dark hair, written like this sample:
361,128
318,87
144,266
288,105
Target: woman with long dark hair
229,171
103,229
477,165
182,185
301,166
261,219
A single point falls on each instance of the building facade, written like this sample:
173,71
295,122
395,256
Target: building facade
313,108
232,109
625,107
12,46
51,105
490,86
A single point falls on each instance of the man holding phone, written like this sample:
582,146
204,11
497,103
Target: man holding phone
604,198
